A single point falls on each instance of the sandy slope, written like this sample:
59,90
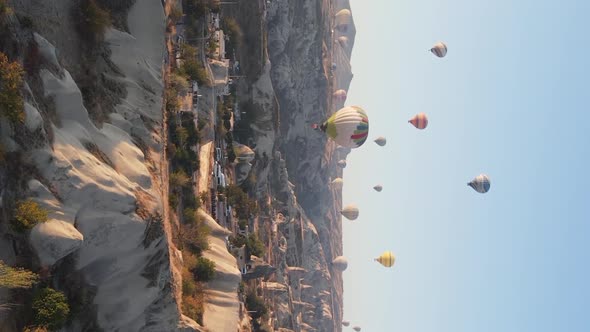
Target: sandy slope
222,304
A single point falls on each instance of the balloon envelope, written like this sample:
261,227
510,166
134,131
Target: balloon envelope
378,188
357,328
480,183
419,121
439,49
339,95
351,212
340,263
348,127
381,141
341,163
345,323
337,183
386,259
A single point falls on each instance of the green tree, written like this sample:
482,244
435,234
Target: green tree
189,52
254,245
232,29
27,214
195,71
179,179
11,277
50,308
204,270
11,83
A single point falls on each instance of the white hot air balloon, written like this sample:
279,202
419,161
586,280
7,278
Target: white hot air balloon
351,212
340,263
381,141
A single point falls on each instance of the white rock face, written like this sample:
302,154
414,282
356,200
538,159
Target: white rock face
55,239
33,119
101,179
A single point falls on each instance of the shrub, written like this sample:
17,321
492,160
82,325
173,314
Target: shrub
173,200
190,216
204,196
11,83
27,214
50,308
255,305
193,307
175,14
205,269
194,236
95,20
11,277
178,83
35,329
4,9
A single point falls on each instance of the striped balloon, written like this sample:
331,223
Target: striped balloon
348,127
419,121
480,183
439,49
339,95
386,259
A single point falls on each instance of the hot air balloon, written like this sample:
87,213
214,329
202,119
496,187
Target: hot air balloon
341,163
339,95
345,323
381,141
340,263
439,49
386,259
348,127
337,183
357,328
480,183
378,188
419,121
243,153
343,41
343,20
351,212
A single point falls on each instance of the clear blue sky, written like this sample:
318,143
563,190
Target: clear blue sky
510,99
